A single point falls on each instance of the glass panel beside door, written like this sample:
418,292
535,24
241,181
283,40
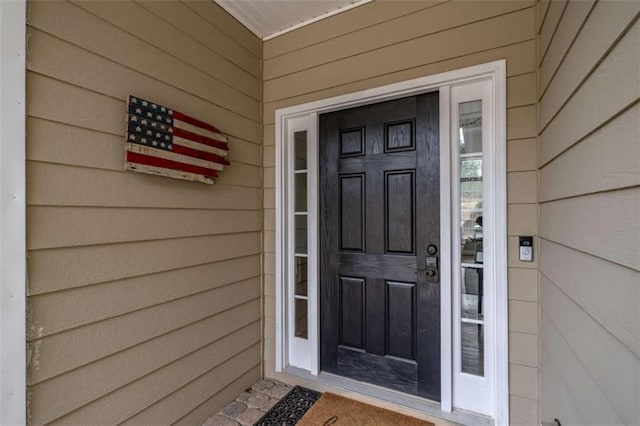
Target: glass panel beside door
300,317
471,190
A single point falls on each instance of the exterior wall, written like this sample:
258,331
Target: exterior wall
144,292
589,189
385,42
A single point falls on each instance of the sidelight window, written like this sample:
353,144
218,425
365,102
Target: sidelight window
471,238
300,315
474,245
298,201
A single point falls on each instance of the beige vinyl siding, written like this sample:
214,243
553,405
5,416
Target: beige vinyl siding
144,292
386,42
589,224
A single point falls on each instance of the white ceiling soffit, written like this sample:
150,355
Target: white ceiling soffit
270,18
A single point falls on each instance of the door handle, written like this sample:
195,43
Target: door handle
432,264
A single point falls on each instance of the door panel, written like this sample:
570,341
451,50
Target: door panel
401,321
352,202
352,309
379,210
399,187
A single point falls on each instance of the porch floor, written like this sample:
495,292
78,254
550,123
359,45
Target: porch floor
250,405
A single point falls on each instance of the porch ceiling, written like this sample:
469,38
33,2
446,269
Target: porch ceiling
269,18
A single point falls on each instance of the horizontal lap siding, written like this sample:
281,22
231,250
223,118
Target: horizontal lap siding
589,190
144,292
386,42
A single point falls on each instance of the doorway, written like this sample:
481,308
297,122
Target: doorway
322,332
379,241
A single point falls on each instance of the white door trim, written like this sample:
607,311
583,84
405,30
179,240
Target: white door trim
494,72
13,396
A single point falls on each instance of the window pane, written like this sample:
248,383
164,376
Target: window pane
300,148
301,318
301,234
301,192
471,293
301,276
471,181
471,221
473,349
471,237
470,127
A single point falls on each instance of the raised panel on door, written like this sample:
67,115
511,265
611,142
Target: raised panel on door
399,212
401,320
352,309
352,202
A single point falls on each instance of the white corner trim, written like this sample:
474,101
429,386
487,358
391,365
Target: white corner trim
496,73
13,401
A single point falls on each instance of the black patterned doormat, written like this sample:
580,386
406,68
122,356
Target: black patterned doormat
290,409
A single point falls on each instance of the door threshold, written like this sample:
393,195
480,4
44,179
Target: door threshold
413,402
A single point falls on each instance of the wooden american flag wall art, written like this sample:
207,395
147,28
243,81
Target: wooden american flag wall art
165,142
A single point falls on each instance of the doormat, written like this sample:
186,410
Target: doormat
291,408
338,411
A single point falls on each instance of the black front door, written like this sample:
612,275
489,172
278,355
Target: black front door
379,242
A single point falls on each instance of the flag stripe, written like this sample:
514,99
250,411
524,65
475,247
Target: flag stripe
199,131
169,164
201,139
176,174
168,155
179,149
200,147
183,117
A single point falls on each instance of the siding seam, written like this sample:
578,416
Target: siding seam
589,74
564,55
222,30
555,30
112,169
220,54
559,376
106,244
32,384
585,194
31,339
602,391
61,418
591,132
245,374
362,52
353,32
542,237
94,91
407,69
201,375
589,313
74,3
544,18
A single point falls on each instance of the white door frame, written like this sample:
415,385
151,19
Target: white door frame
292,117
13,378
